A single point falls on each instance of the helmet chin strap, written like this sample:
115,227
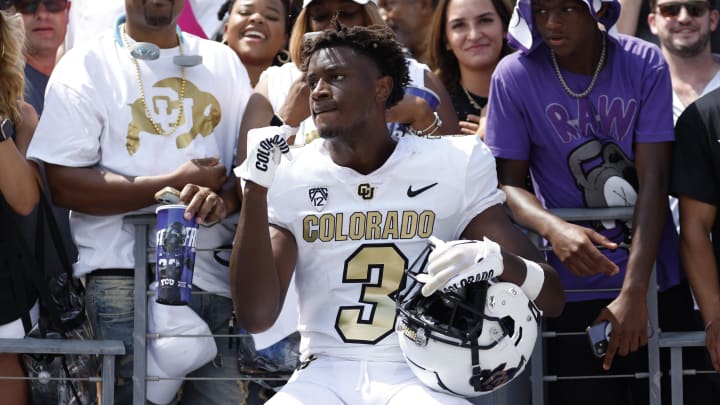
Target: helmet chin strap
476,296
477,377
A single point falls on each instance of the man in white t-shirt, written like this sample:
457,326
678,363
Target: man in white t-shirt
136,108
350,211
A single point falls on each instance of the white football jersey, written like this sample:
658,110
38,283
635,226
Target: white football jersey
356,234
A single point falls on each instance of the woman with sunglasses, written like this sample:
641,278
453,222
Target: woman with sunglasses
19,190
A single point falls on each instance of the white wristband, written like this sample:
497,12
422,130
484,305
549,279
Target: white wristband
534,279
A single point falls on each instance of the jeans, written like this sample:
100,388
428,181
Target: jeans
216,310
109,302
110,307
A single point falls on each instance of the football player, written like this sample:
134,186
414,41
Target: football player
347,212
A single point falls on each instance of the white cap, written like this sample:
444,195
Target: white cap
174,356
306,2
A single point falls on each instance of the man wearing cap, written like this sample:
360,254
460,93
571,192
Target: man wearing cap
136,108
588,114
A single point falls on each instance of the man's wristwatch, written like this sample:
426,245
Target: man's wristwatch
7,129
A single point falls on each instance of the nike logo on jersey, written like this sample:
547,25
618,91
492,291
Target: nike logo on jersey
413,193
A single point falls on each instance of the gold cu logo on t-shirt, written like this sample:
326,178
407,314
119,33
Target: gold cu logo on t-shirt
201,113
366,191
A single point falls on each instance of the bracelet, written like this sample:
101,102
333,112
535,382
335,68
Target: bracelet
431,129
534,279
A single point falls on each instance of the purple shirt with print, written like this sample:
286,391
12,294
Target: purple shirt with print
581,150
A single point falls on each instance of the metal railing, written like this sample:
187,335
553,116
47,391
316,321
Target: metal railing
675,341
107,349
143,224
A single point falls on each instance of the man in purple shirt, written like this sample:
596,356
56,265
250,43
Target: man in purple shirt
588,113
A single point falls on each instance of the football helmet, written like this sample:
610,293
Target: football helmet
468,342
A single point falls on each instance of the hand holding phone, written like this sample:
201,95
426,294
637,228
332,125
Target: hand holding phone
599,337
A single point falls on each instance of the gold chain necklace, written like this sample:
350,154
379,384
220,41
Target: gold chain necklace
471,99
155,125
587,91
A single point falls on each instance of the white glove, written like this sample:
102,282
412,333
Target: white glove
265,148
455,264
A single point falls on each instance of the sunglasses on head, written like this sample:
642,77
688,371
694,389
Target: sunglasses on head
694,8
31,6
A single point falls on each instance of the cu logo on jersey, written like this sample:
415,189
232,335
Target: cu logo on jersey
366,191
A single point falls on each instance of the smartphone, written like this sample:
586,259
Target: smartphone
167,195
599,337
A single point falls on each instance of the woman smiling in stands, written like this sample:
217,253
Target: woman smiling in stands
467,40
258,32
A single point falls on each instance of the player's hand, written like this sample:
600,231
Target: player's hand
265,148
206,172
628,315
202,203
454,264
712,342
575,246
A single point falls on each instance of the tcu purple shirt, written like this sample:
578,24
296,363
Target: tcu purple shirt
580,151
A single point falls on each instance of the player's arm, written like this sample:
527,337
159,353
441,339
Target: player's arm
573,244
102,192
696,221
262,262
263,256
494,224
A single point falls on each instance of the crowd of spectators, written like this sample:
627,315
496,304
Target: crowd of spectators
583,104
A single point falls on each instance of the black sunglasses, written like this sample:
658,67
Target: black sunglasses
31,6
694,8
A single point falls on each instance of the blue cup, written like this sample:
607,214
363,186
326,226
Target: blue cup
176,239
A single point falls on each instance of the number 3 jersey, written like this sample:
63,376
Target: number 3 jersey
356,234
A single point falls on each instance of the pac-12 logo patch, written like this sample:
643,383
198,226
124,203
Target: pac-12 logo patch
318,197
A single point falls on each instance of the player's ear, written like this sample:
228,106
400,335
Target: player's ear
383,88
